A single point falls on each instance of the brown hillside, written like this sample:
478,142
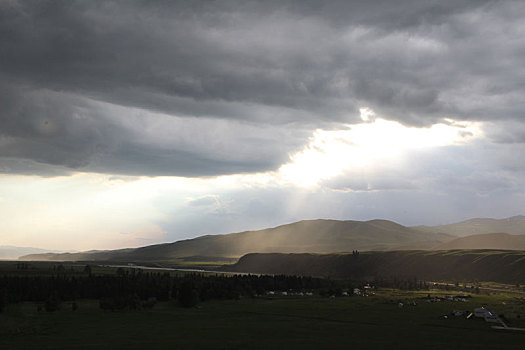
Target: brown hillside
486,241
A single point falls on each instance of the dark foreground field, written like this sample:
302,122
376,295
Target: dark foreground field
270,322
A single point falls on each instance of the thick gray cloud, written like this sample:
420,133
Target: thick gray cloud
68,131
225,72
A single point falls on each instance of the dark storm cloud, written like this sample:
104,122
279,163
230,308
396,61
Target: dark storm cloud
69,131
296,64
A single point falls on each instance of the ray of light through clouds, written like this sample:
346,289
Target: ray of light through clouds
126,123
363,146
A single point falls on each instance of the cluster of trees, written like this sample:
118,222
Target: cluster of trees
135,288
401,283
417,284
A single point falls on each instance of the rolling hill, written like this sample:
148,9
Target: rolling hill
319,236
482,265
486,241
312,236
514,225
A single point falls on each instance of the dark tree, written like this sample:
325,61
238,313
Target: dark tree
52,303
3,300
188,296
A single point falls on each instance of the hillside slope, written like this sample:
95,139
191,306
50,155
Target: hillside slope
482,265
486,241
514,225
314,236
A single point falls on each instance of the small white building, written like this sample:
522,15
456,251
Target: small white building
491,317
480,312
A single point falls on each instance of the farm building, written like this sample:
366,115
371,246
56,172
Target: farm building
491,317
480,312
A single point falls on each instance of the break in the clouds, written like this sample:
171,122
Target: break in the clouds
76,76
227,115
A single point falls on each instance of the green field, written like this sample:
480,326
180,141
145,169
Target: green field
290,322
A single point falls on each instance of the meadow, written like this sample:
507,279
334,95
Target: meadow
269,321
251,316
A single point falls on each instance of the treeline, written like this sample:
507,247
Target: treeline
417,284
134,288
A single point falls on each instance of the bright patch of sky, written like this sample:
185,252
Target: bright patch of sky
88,211
331,152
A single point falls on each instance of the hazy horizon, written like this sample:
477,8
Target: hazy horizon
129,123
50,249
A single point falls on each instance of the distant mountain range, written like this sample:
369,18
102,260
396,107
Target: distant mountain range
316,236
8,252
514,225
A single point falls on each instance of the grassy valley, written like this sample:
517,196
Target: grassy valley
277,322
65,306
326,248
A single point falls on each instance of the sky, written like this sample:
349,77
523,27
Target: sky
129,123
